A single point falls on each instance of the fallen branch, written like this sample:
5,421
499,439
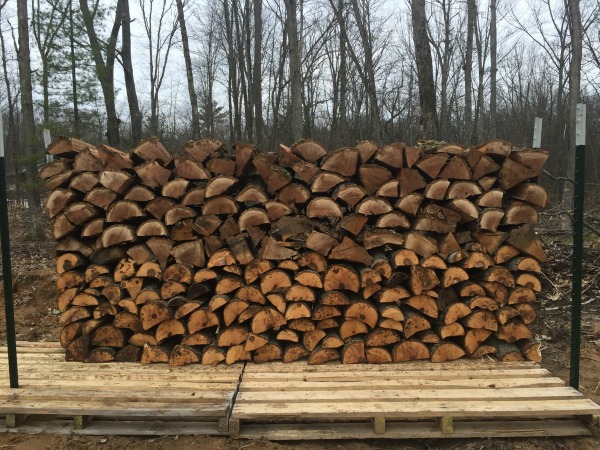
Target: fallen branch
559,178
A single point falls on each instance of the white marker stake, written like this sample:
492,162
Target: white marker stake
537,132
47,141
580,125
1,136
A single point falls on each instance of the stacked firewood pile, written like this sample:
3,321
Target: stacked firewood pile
363,254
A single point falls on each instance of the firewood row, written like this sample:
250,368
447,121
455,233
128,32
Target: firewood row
362,254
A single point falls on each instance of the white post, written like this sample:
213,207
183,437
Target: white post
580,124
1,137
47,141
537,133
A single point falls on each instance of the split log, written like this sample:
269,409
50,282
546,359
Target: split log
341,277
323,207
446,351
391,155
366,150
410,351
309,150
342,161
372,176
349,193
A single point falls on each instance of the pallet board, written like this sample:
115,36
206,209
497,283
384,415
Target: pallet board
289,401
415,400
115,398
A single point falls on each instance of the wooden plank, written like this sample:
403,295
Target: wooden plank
150,428
134,380
194,369
104,393
398,374
35,350
463,364
415,409
132,409
30,344
132,377
408,395
127,384
39,355
414,430
119,428
258,386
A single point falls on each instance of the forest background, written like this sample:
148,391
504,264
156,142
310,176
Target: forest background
275,71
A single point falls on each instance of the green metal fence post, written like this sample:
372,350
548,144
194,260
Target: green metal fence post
11,340
578,205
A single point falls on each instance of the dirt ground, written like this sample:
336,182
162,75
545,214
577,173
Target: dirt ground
37,320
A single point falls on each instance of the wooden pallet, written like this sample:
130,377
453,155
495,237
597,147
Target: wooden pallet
289,401
419,400
116,398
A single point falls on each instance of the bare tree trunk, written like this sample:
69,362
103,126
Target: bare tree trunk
481,57
471,16
45,27
369,68
444,55
248,69
105,70
232,86
295,69
493,68
257,74
134,107
340,86
188,71
277,93
45,92
428,120
35,228
76,118
411,89
240,20
574,89
343,75
12,138
160,26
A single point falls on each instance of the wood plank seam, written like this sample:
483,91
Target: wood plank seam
234,428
